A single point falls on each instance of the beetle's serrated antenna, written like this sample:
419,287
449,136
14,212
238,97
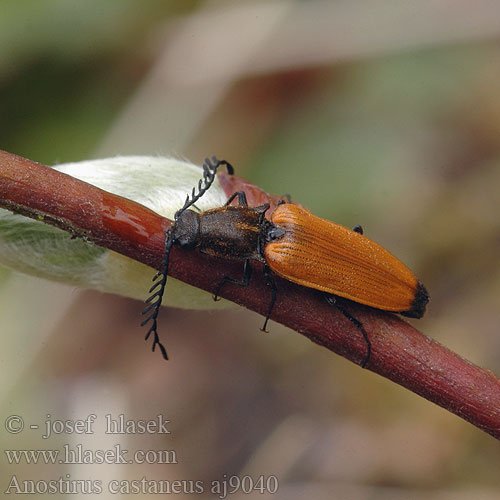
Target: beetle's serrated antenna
160,279
154,301
210,167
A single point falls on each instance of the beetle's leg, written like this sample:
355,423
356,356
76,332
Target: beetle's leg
331,299
247,272
288,199
242,198
272,284
358,229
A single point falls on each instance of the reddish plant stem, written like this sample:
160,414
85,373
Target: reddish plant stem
399,352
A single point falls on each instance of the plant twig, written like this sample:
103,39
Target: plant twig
399,352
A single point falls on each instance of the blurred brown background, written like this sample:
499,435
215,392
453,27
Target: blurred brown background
382,113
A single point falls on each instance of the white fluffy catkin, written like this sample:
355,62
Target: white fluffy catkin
161,184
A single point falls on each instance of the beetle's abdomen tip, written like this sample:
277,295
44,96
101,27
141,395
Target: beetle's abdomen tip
419,302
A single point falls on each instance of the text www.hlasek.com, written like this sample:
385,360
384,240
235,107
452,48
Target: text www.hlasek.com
80,455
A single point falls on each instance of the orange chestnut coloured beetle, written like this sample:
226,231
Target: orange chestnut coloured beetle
294,244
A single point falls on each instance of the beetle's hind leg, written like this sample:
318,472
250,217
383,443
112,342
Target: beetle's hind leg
247,273
331,299
272,284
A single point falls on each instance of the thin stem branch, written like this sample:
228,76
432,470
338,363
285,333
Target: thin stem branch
399,352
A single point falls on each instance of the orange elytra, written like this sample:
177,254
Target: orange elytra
320,254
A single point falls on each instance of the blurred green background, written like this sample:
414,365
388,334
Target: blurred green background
383,113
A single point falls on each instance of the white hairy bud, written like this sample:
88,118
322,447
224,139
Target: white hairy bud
161,184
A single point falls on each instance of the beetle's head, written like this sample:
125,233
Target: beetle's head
186,229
